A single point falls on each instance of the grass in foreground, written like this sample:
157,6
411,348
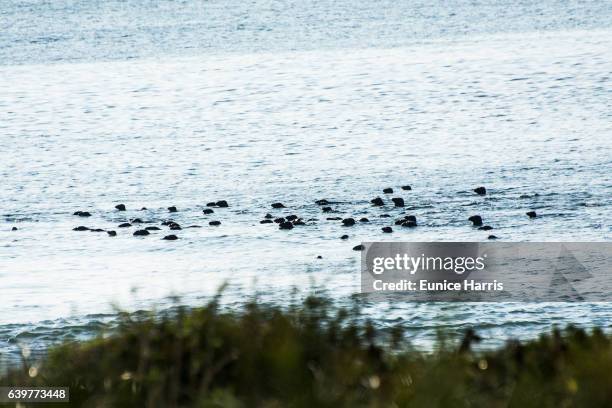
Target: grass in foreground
315,355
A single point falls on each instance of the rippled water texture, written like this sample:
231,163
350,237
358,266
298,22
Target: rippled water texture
77,30
525,114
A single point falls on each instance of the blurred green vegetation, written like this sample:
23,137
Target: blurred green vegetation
315,355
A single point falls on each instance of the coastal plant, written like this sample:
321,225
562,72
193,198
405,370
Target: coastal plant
315,354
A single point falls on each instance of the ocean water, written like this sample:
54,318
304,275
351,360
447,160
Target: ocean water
167,103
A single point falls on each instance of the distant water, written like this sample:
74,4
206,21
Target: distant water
39,31
314,100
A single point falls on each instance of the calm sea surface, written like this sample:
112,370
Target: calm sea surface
182,103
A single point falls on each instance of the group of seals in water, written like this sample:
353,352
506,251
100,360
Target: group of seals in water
286,222
143,232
